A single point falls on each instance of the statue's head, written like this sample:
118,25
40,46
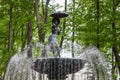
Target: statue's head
56,21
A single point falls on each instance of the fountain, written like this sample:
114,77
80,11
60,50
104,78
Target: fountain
57,68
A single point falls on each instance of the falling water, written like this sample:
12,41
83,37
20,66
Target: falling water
20,67
97,68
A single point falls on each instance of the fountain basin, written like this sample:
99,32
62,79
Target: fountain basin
58,68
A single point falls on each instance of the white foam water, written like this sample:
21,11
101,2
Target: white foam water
20,67
98,65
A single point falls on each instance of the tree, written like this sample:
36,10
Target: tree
29,33
115,50
10,30
97,20
38,19
45,16
73,33
64,26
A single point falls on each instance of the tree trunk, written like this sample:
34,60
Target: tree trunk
29,35
10,32
64,26
46,11
10,43
45,19
115,50
41,34
45,15
29,39
97,20
73,25
97,30
43,7
40,29
38,21
73,35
